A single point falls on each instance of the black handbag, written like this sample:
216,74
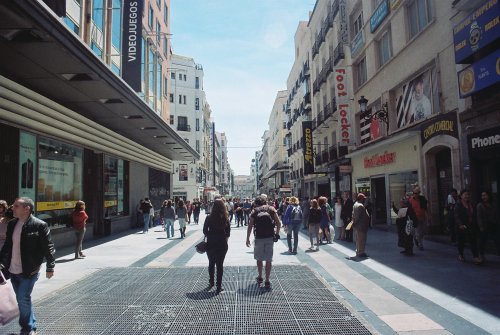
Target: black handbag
201,247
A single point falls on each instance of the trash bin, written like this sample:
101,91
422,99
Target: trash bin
107,227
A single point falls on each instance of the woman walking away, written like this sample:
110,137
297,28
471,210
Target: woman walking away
339,223
314,221
182,216
79,225
325,219
405,237
217,230
189,207
465,219
169,218
488,221
293,220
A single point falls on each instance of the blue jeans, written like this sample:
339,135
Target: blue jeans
23,286
169,227
147,218
294,228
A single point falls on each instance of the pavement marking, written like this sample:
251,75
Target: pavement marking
489,323
410,322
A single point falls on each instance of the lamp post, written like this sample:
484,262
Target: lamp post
382,114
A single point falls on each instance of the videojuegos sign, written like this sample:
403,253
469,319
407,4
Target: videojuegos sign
132,43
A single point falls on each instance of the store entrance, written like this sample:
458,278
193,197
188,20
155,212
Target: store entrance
445,181
378,208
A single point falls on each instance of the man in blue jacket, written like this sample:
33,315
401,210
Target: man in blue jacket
28,243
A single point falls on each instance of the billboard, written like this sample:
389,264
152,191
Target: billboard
132,43
479,75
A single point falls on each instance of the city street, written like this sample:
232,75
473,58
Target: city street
136,283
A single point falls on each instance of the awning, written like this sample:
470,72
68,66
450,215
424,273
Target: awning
39,52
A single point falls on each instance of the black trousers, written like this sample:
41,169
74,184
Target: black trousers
216,258
471,238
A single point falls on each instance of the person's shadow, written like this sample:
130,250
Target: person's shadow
66,260
201,295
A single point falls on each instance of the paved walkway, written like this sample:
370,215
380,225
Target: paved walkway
430,293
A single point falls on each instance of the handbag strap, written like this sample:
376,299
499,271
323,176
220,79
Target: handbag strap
4,281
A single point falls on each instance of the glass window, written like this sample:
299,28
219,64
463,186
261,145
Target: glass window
420,14
159,79
158,2
98,13
165,82
399,185
114,178
357,24
184,98
71,24
185,78
384,48
115,68
158,31
96,49
198,145
171,97
180,76
180,98
171,119
116,24
172,75
197,103
197,124
197,83
60,168
165,14
151,74
361,72
143,64
151,17
165,46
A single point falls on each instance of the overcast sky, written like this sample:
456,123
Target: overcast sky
246,49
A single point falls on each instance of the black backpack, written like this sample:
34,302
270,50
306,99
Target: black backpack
263,223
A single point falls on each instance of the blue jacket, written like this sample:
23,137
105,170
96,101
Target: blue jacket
288,218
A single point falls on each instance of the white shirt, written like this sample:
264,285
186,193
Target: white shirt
16,265
338,221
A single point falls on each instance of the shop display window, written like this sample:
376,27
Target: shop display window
400,184
114,177
59,182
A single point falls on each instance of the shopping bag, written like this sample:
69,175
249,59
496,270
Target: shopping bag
8,303
349,226
201,247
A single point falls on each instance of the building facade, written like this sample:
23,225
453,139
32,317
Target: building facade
76,130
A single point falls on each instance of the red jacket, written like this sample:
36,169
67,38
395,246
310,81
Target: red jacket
79,220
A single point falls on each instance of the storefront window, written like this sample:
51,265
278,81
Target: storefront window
59,183
114,177
399,185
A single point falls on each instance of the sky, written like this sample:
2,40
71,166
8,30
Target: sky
246,49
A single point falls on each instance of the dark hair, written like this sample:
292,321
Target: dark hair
9,213
28,202
219,213
169,203
180,203
260,201
463,191
488,193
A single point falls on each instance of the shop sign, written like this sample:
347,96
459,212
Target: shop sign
342,95
479,29
345,168
342,32
395,4
53,205
357,43
443,124
132,43
110,203
479,75
379,160
27,165
308,147
484,141
379,15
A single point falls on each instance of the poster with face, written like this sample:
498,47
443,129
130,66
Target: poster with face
183,172
415,99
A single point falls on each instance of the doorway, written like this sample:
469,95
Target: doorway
378,208
445,181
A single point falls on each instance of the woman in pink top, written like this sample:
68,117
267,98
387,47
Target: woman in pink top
79,222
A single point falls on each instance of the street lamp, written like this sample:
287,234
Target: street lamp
382,114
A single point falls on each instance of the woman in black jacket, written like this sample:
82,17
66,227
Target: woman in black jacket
217,230
467,228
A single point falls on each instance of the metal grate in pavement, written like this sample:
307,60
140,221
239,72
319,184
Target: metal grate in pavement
175,301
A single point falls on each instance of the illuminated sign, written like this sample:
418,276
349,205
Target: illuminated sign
379,160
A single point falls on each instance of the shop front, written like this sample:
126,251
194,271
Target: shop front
386,172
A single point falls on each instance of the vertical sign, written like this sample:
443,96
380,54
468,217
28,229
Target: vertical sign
342,33
308,147
132,43
27,165
341,77
120,173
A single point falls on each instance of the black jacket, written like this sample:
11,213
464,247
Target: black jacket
36,244
216,234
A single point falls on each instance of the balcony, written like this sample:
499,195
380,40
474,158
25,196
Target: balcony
328,111
314,124
338,53
332,152
307,97
183,127
290,152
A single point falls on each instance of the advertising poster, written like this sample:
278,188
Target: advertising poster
27,165
416,99
183,172
56,186
479,75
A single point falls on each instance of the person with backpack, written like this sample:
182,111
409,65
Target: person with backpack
146,206
293,221
314,220
169,218
266,224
